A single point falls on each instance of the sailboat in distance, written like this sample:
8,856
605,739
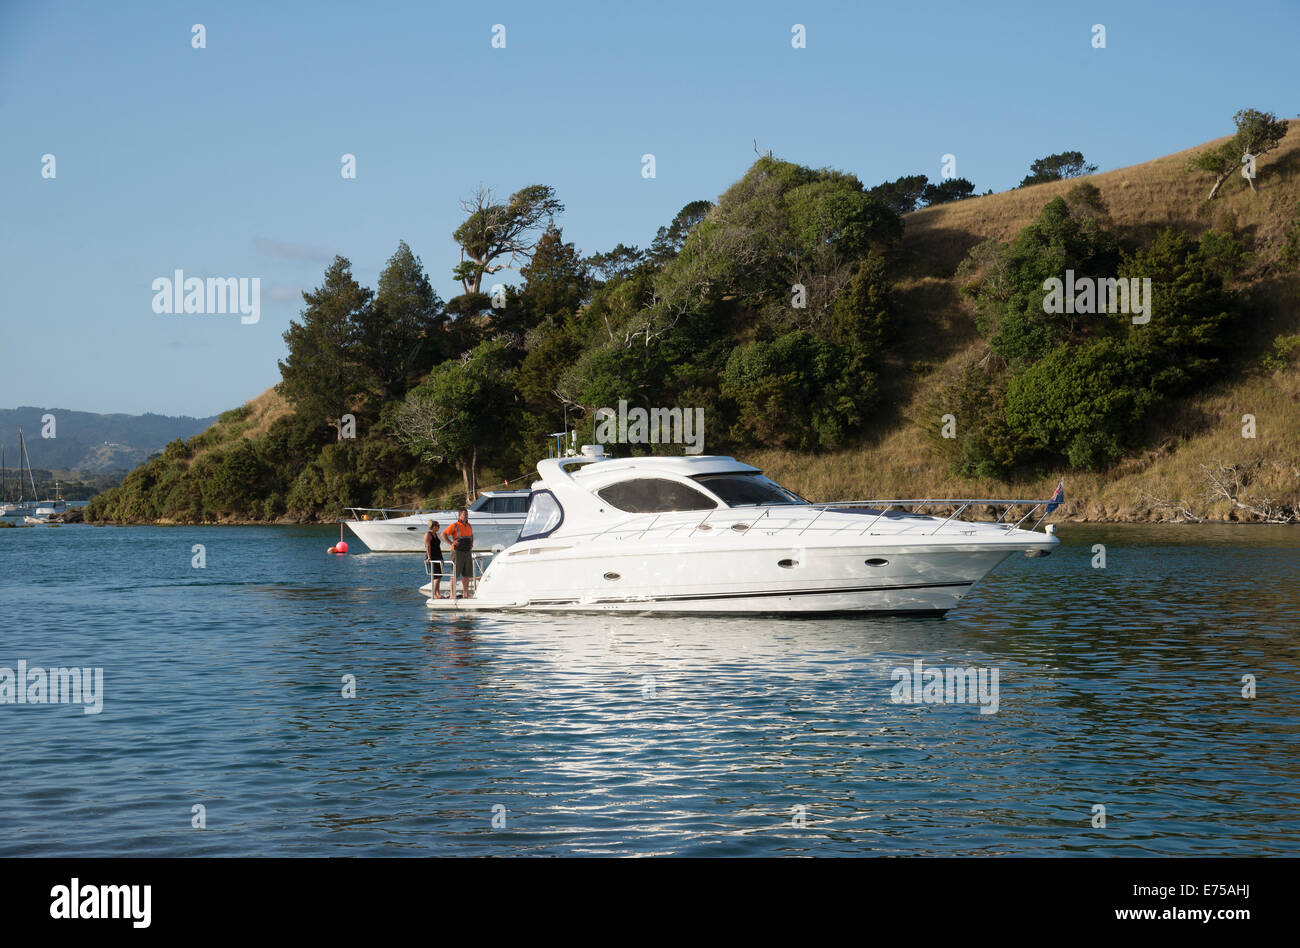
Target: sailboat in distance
33,510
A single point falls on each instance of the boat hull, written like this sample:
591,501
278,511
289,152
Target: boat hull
925,579
406,534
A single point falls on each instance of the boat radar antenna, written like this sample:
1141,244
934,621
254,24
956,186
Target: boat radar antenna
558,449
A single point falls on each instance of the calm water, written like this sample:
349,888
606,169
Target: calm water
641,735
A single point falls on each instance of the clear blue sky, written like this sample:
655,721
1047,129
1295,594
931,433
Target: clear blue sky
225,161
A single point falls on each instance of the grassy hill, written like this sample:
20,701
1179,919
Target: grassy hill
704,317
939,334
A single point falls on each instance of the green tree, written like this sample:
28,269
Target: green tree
1081,404
902,195
556,282
947,191
668,240
400,337
797,391
1192,312
1257,134
1066,164
493,230
1009,295
984,445
462,413
862,316
321,374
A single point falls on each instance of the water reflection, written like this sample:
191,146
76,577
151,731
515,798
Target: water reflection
638,735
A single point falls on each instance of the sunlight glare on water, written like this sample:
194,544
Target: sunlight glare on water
638,735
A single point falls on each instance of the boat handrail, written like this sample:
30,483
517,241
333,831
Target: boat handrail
406,510
974,501
960,505
631,525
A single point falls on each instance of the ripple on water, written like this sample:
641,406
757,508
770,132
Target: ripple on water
626,735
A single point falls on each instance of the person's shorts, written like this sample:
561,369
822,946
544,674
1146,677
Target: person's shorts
462,562
435,567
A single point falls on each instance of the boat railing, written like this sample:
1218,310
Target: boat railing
480,564
958,505
954,509
384,513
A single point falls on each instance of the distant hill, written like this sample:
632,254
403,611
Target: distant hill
90,442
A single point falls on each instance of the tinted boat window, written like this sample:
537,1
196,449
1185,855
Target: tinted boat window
654,495
748,490
516,505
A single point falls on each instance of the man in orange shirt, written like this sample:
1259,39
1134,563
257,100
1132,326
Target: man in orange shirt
461,537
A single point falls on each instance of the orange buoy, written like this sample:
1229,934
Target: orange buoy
332,550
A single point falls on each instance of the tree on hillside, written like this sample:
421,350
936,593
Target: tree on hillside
492,231
1257,134
556,281
398,338
797,391
615,264
668,240
1009,295
1066,164
321,374
461,412
902,195
948,190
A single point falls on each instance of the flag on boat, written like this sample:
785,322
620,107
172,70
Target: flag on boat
1058,497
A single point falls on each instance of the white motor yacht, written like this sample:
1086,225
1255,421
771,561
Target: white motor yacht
709,534
495,517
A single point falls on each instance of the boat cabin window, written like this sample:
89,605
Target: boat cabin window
501,505
748,490
544,516
654,495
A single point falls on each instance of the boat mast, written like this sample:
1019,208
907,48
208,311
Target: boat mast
22,448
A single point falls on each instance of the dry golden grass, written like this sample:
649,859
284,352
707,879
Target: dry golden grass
938,333
268,408
1156,194
264,411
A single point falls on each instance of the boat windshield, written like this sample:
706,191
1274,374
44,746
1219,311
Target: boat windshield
749,490
544,516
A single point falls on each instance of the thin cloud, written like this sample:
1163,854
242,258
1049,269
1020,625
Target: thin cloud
284,294
287,251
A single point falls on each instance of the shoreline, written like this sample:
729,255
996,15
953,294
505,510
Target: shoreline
1222,520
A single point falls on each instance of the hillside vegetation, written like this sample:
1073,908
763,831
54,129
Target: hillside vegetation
1171,472
846,344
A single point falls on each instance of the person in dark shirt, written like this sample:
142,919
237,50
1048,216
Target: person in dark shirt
433,556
